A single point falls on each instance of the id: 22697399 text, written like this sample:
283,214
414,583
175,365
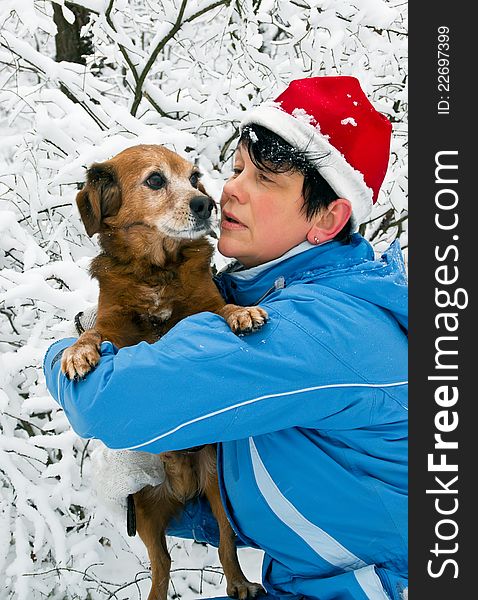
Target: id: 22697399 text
443,70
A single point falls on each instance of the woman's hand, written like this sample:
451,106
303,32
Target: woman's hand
119,473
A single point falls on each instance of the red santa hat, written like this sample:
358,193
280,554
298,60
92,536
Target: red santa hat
332,119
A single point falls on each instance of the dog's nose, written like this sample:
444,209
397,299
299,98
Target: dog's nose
201,206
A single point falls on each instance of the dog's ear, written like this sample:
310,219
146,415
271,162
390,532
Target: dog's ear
100,198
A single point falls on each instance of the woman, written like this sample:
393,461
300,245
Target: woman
310,412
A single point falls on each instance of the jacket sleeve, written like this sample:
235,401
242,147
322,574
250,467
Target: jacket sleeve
201,384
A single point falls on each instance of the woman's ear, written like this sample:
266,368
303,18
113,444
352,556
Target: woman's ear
330,221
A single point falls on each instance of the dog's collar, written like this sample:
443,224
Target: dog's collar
79,327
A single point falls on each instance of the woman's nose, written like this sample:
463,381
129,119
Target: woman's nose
234,188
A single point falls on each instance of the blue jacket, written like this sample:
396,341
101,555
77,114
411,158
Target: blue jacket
310,414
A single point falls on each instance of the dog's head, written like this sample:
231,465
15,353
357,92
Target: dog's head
146,186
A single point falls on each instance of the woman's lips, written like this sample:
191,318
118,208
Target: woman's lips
229,222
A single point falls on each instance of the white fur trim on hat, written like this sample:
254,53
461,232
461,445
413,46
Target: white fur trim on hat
346,181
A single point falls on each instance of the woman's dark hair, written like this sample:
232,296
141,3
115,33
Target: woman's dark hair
269,152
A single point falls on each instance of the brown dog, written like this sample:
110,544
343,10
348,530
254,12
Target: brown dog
152,215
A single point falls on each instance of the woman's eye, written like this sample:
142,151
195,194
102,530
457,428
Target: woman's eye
236,171
263,177
155,181
194,179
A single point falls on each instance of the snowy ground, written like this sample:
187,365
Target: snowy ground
195,572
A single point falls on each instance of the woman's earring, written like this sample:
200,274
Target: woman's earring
316,239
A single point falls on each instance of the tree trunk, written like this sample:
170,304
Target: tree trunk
70,46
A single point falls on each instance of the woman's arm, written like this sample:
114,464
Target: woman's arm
201,384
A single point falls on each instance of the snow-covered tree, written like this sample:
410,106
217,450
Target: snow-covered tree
174,72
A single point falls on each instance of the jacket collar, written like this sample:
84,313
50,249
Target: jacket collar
249,286
238,271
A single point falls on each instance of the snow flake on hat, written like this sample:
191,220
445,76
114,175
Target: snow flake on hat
349,121
301,115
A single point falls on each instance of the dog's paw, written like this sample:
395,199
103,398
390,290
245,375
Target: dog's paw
78,360
246,319
244,589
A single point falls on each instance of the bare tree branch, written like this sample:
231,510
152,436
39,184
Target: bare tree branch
175,28
129,62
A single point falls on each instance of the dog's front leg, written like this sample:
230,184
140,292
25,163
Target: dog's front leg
83,355
243,319
238,586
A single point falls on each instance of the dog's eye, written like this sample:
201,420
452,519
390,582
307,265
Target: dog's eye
194,179
155,181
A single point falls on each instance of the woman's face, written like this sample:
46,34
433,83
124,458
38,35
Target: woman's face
261,216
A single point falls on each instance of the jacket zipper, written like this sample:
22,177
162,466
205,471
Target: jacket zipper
279,284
